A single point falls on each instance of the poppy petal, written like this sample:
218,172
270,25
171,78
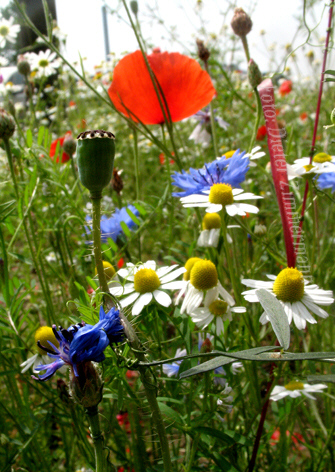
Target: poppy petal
186,87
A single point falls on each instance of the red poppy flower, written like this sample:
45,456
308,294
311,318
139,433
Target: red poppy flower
186,87
120,263
285,88
303,116
65,157
261,133
162,159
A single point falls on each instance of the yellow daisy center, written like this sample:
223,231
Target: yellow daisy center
43,335
146,280
229,154
289,285
4,30
211,221
293,385
189,266
322,157
218,308
221,194
108,269
43,63
204,275
309,167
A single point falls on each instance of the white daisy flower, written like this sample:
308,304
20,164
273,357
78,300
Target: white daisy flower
294,389
3,61
44,63
321,163
222,196
211,225
215,310
255,153
297,297
43,335
8,31
146,283
200,280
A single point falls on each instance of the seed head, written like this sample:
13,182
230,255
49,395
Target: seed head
241,22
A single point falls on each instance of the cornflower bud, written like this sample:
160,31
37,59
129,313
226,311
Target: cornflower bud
241,22
86,388
7,125
203,52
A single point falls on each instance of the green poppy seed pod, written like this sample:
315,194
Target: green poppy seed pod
241,22
332,116
254,74
23,65
7,125
134,7
95,159
86,389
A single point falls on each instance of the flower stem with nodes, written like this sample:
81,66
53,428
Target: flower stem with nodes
98,440
147,377
316,121
39,270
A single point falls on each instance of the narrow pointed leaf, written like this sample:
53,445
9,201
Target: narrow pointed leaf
276,315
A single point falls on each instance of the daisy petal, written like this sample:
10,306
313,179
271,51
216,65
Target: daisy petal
144,300
162,298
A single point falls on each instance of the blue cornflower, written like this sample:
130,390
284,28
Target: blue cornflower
82,343
326,180
224,171
111,227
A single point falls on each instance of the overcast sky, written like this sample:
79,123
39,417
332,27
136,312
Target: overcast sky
81,20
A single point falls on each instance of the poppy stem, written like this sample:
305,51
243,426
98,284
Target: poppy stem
232,273
316,121
213,128
96,201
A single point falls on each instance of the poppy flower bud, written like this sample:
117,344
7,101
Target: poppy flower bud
23,65
134,7
254,74
241,22
69,145
86,388
7,125
95,159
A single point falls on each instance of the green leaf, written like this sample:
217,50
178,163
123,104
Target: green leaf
276,315
215,434
330,378
330,72
141,210
29,138
40,135
125,228
133,217
171,414
225,358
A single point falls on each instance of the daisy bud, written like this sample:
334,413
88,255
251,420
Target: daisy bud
86,389
241,22
95,159
7,125
108,269
117,182
254,74
134,7
69,145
